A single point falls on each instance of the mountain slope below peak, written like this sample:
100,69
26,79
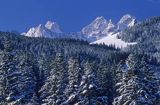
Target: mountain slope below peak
114,41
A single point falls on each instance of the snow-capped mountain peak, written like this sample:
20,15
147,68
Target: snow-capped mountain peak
100,19
110,25
95,27
100,30
43,30
38,31
53,26
126,18
109,35
100,27
40,27
126,21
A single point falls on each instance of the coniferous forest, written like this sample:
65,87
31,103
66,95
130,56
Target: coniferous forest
43,71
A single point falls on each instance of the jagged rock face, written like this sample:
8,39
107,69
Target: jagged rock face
53,27
107,33
126,21
44,30
99,27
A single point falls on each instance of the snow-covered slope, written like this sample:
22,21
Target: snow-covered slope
112,39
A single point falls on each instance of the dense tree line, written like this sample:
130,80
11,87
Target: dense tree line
41,71
147,36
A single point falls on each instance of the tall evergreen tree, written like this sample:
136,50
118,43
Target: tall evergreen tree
44,68
74,77
3,78
20,80
27,82
106,81
53,91
9,74
138,84
89,87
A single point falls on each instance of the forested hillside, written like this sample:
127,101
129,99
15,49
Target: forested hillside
41,71
147,35
33,70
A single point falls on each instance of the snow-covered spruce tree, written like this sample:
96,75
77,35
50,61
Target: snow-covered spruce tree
151,81
119,72
118,77
3,78
106,81
158,94
20,84
27,82
89,87
138,86
74,77
9,75
52,93
102,74
13,82
44,68
47,93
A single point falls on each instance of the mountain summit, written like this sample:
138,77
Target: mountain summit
99,31
44,30
126,21
53,27
112,31
102,26
99,27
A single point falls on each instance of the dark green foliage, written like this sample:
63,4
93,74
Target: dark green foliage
41,71
50,71
138,85
147,35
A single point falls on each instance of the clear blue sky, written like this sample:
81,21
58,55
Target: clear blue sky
71,15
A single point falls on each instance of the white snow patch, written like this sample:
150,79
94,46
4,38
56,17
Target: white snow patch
113,40
71,97
84,92
8,98
90,86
